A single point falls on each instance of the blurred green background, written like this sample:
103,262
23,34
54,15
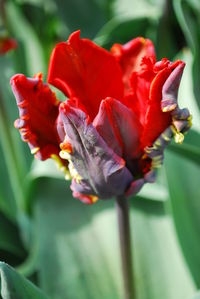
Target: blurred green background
70,250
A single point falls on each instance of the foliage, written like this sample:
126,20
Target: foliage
70,250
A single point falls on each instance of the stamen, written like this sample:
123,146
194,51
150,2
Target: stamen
61,167
35,150
178,136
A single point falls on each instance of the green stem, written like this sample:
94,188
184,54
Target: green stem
125,245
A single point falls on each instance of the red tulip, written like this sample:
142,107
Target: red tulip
7,44
121,113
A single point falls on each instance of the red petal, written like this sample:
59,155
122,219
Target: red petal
156,120
38,109
7,44
130,57
119,127
87,199
83,70
140,83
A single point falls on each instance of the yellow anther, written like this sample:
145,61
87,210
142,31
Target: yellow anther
61,167
38,75
178,137
64,155
169,108
93,198
74,173
35,150
165,137
156,162
157,143
142,40
68,176
189,119
66,146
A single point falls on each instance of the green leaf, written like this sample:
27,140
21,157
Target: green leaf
7,201
121,30
186,95
15,286
85,15
168,28
134,8
80,244
10,239
196,296
30,50
188,15
190,149
183,180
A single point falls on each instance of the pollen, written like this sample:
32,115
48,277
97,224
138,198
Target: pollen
157,161
65,155
189,119
34,150
169,108
165,137
93,198
66,146
38,75
178,137
73,172
61,167
142,39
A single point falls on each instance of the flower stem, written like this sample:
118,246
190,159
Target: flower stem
125,245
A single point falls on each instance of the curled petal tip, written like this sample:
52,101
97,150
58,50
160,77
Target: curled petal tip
17,79
150,176
74,36
86,199
168,105
38,111
135,187
7,44
63,107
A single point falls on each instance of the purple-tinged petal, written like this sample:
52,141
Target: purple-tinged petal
119,127
135,187
92,162
170,89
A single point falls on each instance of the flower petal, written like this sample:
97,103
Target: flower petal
119,127
140,82
85,71
7,44
92,163
163,92
38,110
170,89
130,57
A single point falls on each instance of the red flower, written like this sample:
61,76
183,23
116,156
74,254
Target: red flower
121,113
7,44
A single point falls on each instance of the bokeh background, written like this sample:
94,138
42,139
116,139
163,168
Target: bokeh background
70,250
